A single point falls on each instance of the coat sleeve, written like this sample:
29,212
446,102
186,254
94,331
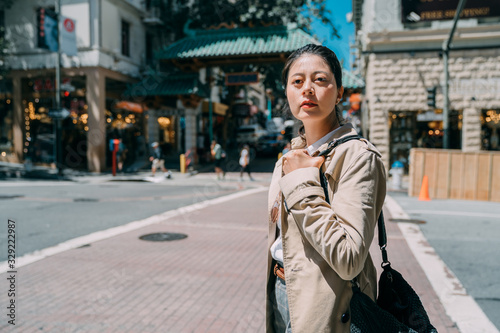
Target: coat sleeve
343,231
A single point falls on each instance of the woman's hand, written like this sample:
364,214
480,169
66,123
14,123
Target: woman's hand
296,159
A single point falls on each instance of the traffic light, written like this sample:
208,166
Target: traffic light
431,97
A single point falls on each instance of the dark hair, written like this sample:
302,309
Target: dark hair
330,58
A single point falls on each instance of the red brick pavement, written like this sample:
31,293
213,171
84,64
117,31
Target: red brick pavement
212,281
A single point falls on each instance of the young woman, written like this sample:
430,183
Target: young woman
316,248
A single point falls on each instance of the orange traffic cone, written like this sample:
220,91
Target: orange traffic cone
424,190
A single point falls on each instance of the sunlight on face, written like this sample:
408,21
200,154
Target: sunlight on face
311,90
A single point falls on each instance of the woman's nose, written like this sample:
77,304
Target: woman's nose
308,88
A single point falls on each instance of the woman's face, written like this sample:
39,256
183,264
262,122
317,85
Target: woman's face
311,90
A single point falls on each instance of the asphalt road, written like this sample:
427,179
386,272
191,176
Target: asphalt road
465,235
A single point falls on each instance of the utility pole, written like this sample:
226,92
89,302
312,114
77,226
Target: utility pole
210,107
446,48
57,121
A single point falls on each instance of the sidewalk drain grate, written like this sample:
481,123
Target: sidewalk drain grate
85,200
414,221
162,237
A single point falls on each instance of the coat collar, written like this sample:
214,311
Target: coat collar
344,130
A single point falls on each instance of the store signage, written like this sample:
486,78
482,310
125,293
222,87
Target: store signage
433,10
40,85
236,79
429,116
58,113
475,87
241,110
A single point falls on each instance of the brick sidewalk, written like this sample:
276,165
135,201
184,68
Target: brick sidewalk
212,281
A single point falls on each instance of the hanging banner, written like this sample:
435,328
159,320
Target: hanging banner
68,37
47,29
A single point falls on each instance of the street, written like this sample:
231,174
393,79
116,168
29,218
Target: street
464,234
48,213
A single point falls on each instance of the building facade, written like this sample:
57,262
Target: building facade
401,58
110,37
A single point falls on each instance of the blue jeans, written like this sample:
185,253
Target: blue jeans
279,300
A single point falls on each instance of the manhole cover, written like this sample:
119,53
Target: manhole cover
414,221
85,200
162,237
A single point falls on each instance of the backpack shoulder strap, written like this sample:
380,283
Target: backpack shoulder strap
336,142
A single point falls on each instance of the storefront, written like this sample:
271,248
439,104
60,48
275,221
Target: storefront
37,94
6,120
88,95
422,129
126,121
490,129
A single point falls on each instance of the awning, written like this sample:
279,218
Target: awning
217,108
130,106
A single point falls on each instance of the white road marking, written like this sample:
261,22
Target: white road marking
108,233
459,305
456,213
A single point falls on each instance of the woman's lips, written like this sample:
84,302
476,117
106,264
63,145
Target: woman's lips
308,104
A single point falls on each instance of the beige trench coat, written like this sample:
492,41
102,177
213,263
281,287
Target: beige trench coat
326,246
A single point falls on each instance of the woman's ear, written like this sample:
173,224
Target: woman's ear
340,93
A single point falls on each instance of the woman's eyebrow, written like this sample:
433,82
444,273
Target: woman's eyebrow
314,73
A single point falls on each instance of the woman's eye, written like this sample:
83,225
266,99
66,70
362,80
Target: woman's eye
297,81
321,79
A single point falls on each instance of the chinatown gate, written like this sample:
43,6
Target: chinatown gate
184,108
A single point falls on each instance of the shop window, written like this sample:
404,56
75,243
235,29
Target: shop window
6,119
168,134
402,136
125,38
490,129
38,96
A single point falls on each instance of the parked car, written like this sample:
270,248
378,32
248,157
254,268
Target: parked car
271,143
250,134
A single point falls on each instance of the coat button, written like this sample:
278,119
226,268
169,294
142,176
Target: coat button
345,317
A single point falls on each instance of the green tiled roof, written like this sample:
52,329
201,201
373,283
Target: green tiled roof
237,42
350,80
163,85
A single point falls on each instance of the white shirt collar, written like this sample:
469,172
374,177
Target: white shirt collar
315,146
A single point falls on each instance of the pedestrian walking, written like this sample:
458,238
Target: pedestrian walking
245,162
317,246
158,160
218,155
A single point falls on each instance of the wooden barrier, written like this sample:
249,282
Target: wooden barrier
454,174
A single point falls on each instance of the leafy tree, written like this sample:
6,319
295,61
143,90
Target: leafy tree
6,3
244,13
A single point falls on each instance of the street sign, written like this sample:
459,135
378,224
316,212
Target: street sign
236,79
58,114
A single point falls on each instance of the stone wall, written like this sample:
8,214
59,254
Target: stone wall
398,82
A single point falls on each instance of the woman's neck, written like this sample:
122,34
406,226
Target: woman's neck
316,131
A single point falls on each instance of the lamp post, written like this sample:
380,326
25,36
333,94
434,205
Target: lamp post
446,48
